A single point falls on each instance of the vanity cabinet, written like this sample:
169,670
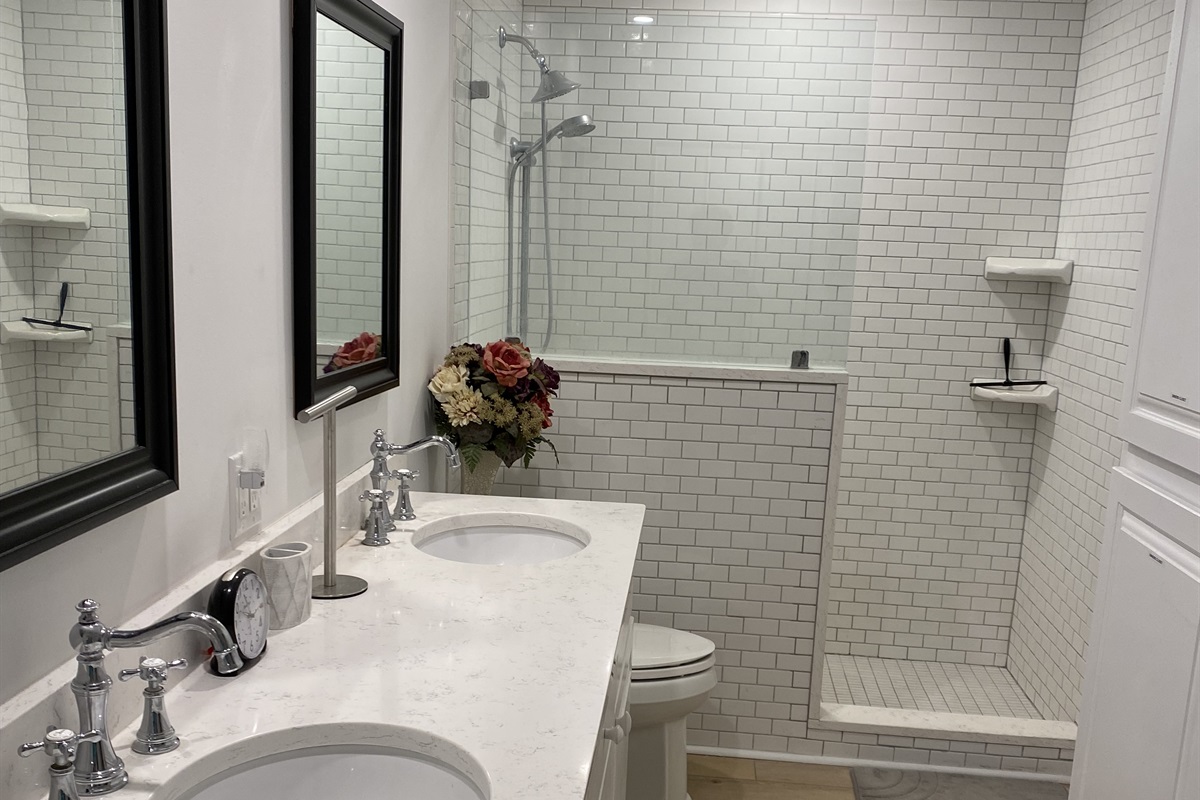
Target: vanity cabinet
606,780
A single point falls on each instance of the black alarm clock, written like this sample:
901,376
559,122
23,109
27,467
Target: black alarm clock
239,602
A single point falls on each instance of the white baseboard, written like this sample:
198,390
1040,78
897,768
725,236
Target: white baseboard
857,762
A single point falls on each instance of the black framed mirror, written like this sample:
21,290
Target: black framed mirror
346,99
99,283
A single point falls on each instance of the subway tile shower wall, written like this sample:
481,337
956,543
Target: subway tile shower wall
18,384
714,213
349,181
734,474
966,123
61,79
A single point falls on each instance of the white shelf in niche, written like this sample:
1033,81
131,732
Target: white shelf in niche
45,216
1045,396
1053,270
21,331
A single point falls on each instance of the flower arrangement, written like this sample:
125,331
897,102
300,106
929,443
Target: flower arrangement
359,350
494,397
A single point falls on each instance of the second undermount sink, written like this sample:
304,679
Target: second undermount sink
500,539
411,764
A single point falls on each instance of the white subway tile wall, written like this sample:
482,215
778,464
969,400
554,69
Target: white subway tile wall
968,134
349,162
1105,196
63,73
18,410
734,475
483,128
713,213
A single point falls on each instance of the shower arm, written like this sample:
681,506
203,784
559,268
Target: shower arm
506,37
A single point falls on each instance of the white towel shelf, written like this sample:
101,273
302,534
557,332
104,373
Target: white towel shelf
1045,395
21,331
45,216
1054,270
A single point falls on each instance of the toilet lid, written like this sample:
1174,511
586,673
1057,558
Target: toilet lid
655,649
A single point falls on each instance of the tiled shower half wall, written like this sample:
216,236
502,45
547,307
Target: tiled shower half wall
803,174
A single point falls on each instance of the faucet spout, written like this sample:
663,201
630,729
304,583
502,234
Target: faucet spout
452,457
224,648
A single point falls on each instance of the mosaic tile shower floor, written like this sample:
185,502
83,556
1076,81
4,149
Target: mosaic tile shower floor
924,686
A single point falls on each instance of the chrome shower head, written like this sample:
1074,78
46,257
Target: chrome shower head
554,83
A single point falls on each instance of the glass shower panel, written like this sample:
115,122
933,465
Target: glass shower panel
713,214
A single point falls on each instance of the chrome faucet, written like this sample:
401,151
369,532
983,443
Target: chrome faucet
381,450
98,769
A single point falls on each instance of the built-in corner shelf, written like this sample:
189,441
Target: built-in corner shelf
21,331
1045,396
45,216
1053,270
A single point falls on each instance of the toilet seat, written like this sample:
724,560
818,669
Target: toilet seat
660,653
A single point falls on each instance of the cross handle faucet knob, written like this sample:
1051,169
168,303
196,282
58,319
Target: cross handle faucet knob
406,475
152,670
60,745
377,497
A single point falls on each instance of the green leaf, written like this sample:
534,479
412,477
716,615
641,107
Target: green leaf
471,453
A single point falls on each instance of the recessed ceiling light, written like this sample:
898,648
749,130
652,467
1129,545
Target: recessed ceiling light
643,20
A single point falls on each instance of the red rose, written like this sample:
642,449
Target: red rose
542,402
360,349
508,363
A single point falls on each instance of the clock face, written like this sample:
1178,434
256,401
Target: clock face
250,616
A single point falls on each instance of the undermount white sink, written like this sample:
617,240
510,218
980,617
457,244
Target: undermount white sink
500,539
383,762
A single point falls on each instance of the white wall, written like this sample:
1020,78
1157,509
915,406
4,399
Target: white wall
230,160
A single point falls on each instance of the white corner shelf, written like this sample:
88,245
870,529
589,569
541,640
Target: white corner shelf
1053,270
45,216
1045,396
21,331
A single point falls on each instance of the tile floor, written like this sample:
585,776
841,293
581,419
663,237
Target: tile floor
714,778
924,686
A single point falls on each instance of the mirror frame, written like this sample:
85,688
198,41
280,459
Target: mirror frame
380,28
51,511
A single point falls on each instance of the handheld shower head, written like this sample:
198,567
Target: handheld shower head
576,126
581,125
554,83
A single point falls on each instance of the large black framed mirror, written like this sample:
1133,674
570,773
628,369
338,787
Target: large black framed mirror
85,296
346,99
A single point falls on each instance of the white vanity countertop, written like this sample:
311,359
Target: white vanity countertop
509,663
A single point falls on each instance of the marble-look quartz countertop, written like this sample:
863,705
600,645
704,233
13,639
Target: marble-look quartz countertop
507,667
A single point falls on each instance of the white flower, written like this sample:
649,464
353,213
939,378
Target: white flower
463,408
448,382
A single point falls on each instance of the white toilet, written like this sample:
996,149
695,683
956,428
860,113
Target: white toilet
673,674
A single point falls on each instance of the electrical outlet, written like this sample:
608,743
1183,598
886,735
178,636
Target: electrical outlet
245,508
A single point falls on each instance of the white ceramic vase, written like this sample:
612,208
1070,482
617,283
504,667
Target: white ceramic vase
287,574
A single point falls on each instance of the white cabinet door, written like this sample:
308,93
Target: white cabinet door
1163,388
1142,666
